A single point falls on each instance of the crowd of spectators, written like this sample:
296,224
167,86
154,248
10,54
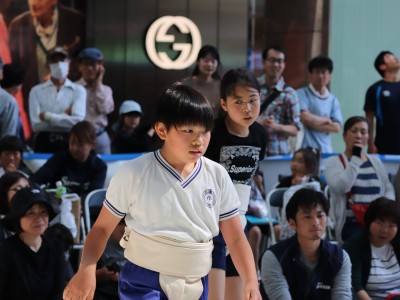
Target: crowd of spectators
69,108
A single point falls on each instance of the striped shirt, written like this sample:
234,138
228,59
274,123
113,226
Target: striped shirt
384,277
367,185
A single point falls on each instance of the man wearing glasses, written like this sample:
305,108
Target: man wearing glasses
280,110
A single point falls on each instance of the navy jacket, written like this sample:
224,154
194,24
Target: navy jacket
77,177
300,285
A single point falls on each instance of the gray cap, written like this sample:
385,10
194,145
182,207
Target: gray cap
129,106
56,50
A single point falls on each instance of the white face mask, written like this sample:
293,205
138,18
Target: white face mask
59,70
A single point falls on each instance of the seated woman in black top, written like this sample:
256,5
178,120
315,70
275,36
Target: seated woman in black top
31,266
10,183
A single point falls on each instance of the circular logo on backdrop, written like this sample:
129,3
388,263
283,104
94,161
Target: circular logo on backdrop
158,33
209,198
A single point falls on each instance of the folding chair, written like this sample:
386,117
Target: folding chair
272,217
93,200
274,200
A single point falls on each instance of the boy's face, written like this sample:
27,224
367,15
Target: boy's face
391,62
79,151
320,77
183,144
310,224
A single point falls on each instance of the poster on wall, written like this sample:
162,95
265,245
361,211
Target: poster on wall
30,28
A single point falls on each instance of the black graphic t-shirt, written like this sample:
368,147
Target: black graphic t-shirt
239,155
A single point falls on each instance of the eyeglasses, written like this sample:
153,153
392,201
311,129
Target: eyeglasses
273,60
33,214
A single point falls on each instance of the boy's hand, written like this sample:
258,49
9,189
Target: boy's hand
252,291
81,286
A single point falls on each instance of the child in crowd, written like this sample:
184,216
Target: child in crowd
304,166
132,135
305,171
169,231
238,143
78,168
32,266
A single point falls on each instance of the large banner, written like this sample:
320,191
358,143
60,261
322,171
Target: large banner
30,28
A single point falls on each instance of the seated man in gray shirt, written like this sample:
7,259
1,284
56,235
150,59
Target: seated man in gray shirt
306,266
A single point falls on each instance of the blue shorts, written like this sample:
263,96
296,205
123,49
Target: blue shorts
135,282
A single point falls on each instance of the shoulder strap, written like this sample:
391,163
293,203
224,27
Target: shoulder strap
348,194
342,161
275,93
379,115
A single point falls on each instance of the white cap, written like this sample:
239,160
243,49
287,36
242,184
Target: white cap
129,106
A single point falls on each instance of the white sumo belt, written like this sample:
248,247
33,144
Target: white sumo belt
181,264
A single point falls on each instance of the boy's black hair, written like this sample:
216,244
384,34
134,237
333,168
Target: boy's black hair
353,120
84,131
277,48
306,198
12,143
311,158
237,77
382,209
204,51
181,105
380,60
320,62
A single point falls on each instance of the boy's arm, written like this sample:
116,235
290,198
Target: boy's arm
319,123
83,284
242,256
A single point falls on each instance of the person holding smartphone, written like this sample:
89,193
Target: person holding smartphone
355,179
99,101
